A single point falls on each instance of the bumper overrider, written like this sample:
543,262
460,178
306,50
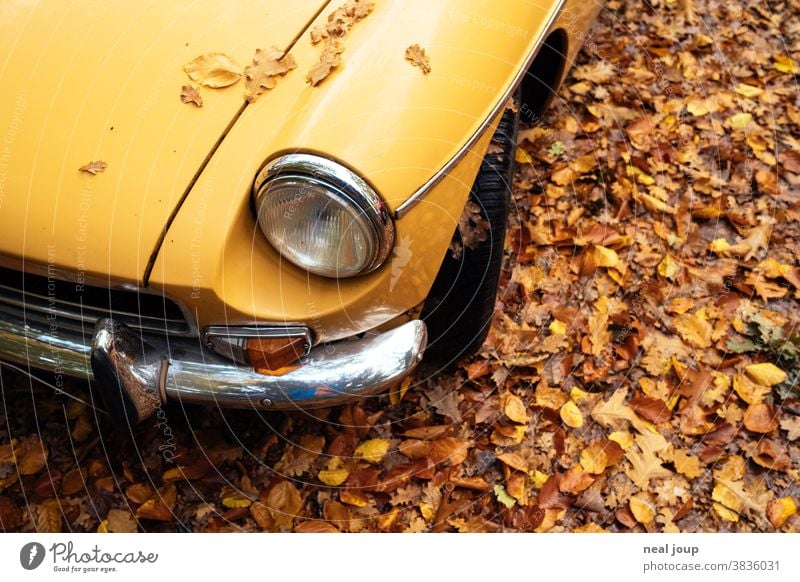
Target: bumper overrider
137,374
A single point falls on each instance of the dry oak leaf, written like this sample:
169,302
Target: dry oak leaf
297,459
686,464
328,60
695,328
792,427
93,168
190,94
214,70
415,55
261,75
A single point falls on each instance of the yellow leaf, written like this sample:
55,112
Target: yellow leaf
103,527
686,464
605,257
781,510
748,90
538,478
749,391
726,497
523,157
695,328
719,245
594,459
740,120
354,498
577,394
725,513
622,438
766,374
653,204
668,267
557,327
398,393
515,409
236,502
786,64
571,415
427,511
215,70
333,477
372,450
642,508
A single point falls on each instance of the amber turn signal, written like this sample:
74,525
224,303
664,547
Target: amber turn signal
271,354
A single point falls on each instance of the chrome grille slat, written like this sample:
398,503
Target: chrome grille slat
78,307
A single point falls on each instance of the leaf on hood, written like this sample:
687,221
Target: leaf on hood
267,66
190,94
329,60
93,168
340,21
415,55
214,70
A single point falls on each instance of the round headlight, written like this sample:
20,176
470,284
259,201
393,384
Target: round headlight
322,217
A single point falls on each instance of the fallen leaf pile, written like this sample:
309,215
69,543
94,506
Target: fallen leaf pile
641,371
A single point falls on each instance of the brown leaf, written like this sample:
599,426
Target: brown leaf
330,58
651,409
761,418
214,70
267,66
190,94
34,459
121,521
315,526
441,450
415,54
159,507
284,503
48,516
73,482
93,168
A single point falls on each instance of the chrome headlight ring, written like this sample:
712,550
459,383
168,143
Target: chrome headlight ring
334,205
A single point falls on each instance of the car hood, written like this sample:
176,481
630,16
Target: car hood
88,81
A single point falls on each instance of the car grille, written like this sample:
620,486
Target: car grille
73,307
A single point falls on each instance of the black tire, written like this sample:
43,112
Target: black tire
459,307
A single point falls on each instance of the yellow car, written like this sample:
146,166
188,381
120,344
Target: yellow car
253,204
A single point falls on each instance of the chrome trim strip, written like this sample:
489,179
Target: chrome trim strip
343,180
422,191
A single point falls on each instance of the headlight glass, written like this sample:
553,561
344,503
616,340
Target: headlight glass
322,217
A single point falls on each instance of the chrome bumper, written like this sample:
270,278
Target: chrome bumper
138,374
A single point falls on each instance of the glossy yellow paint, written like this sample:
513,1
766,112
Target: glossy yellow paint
119,65
87,80
386,120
